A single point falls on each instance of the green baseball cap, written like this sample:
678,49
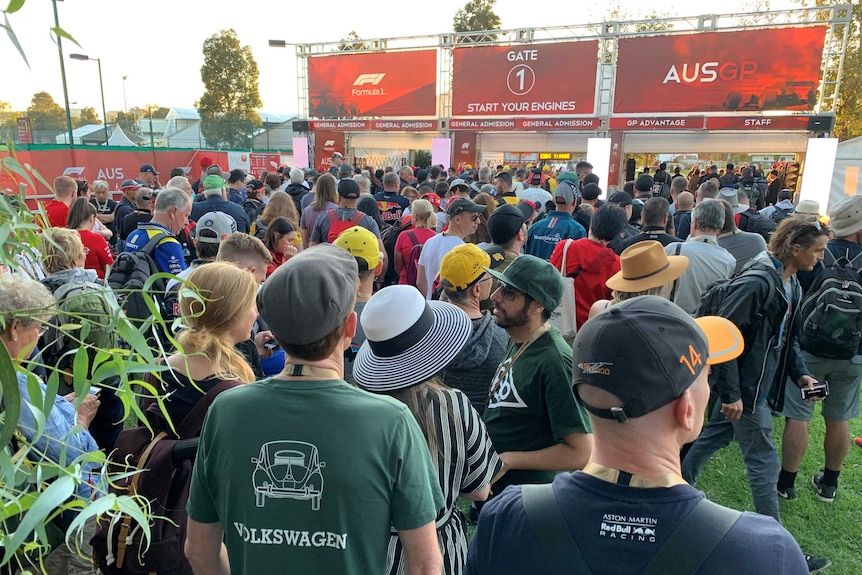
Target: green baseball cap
535,277
213,182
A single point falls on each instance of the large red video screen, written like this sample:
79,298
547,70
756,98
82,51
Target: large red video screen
378,84
747,71
525,79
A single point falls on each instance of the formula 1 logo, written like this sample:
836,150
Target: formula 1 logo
328,143
465,147
74,171
372,79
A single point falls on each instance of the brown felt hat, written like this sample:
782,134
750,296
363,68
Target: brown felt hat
645,265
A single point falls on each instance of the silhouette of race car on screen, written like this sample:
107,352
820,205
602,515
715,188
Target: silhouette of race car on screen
288,470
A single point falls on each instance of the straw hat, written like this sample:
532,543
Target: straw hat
645,265
808,207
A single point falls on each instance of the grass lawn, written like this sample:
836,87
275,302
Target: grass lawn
832,530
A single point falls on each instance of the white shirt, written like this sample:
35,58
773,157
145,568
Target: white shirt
432,255
707,262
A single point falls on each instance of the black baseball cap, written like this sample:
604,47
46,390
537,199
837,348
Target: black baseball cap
461,205
672,351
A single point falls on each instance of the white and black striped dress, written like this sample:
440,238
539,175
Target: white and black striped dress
466,462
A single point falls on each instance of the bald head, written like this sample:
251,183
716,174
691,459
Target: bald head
685,201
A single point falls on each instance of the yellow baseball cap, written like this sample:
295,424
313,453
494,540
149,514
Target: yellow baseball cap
361,244
462,266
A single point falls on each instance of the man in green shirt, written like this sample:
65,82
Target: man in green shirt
303,472
532,417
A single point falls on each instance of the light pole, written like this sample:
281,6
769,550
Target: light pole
63,76
125,107
101,89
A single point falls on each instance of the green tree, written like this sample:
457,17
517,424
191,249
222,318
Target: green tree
8,122
848,118
45,114
126,120
477,16
422,158
231,96
88,116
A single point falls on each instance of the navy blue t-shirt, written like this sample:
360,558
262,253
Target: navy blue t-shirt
619,529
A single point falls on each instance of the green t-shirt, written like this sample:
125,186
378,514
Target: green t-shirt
533,407
308,476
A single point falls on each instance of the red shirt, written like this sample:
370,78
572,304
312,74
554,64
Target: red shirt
99,255
277,260
597,264
404,244
58,213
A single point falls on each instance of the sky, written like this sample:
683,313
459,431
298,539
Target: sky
157,45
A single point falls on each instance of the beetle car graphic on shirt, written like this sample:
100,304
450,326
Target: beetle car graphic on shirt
288,470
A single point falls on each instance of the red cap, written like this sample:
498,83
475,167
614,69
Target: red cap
206,162
433,198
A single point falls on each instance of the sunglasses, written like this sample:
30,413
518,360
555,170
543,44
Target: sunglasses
509,292
42,329
475,217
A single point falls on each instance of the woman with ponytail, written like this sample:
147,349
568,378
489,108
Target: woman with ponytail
219,316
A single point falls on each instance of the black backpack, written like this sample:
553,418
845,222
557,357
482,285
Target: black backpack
781,214
130,273
831,311
751,221
719,290
389,237
253,208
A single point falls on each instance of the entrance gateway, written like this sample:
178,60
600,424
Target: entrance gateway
710,87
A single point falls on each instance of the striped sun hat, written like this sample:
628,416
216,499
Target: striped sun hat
410,340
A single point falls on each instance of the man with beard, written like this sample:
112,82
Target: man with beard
532,417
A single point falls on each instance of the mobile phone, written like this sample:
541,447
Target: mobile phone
271,344
94,390
820,390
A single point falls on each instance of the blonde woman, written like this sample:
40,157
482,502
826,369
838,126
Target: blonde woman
424,226
215,322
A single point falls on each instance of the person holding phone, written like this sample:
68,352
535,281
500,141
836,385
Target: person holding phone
750,387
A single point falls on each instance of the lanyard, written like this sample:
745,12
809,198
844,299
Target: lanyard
503,372
300,370
620,477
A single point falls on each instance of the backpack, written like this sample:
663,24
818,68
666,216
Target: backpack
253,208
337,225
719,290
780,214
258,229
164,465
412,262
130,273
75,301
751,221
389,237
831,311
755,198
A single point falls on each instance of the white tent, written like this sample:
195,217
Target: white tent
847,177
120,137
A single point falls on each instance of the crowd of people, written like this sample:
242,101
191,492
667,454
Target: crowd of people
371,345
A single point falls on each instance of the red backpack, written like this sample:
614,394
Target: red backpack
337,225
411,264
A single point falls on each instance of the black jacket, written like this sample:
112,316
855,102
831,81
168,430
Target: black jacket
764,360
296,191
